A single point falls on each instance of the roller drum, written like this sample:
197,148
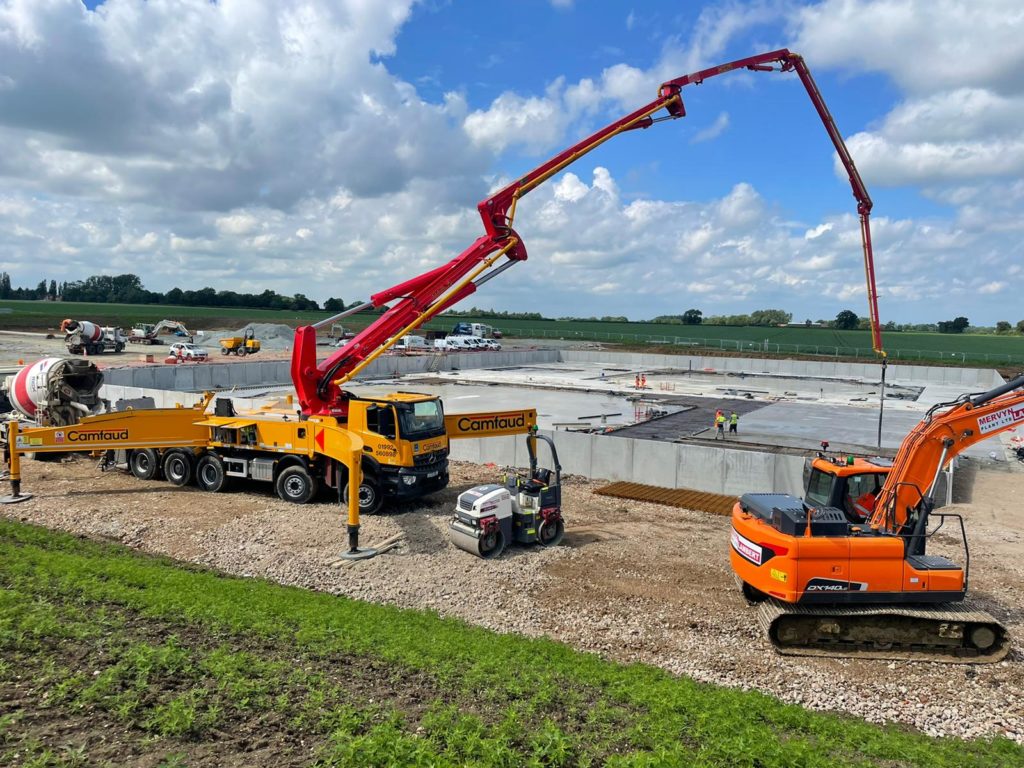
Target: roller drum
469,539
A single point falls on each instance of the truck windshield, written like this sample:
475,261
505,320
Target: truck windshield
419,420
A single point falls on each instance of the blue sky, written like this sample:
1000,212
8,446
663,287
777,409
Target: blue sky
335,147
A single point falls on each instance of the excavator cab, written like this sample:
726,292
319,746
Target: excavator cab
850,487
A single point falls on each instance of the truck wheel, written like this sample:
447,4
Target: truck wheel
179,467
210,473
296,485
144,463
370,497
225,351
242,351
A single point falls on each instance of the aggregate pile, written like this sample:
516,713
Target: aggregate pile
270,335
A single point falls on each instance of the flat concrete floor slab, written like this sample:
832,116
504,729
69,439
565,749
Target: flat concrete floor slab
789,411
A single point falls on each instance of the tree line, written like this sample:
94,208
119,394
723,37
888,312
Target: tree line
128,289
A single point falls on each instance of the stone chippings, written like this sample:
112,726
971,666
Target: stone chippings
633,581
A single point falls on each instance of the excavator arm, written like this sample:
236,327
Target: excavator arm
946,431
318,386
170,325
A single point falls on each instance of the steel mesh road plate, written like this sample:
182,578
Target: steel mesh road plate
685,498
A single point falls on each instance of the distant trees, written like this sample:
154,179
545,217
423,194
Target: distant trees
689,317
762,317
774,317
846,320
493,313
956,325
41,291
128,289
1003,326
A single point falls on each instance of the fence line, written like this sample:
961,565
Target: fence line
746,345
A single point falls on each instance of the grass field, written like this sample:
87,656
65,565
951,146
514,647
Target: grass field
823,341
925,347
110,657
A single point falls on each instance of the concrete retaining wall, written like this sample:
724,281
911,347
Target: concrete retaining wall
195,377
969,377
668,465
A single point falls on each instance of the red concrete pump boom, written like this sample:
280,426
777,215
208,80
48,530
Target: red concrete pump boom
319,386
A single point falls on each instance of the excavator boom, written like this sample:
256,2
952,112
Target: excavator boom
946,431
318,385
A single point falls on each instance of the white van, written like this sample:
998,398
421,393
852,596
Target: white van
410,344
464,343
447,345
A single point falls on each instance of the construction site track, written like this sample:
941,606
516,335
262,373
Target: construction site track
685,498
950,622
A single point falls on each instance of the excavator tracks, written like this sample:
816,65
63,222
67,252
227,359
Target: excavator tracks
951,632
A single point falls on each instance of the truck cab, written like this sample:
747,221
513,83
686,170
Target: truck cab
405,452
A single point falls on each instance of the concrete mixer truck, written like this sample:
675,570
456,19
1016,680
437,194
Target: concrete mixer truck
81,336
55,391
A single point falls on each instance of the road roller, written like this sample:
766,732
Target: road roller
525,509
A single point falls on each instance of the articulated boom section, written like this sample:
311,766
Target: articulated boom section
933,443
319,386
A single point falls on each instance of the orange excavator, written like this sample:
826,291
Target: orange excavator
846,571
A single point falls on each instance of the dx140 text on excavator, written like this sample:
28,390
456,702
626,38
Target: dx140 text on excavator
846,570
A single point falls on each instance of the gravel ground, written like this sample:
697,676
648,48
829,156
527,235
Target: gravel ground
632,581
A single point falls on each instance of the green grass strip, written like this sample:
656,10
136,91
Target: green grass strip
498,700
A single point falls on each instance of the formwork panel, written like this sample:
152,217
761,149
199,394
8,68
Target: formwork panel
612,458
748,472
203,377
701,468
503,451
466,450
184,377
789,475
655,463
575,451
